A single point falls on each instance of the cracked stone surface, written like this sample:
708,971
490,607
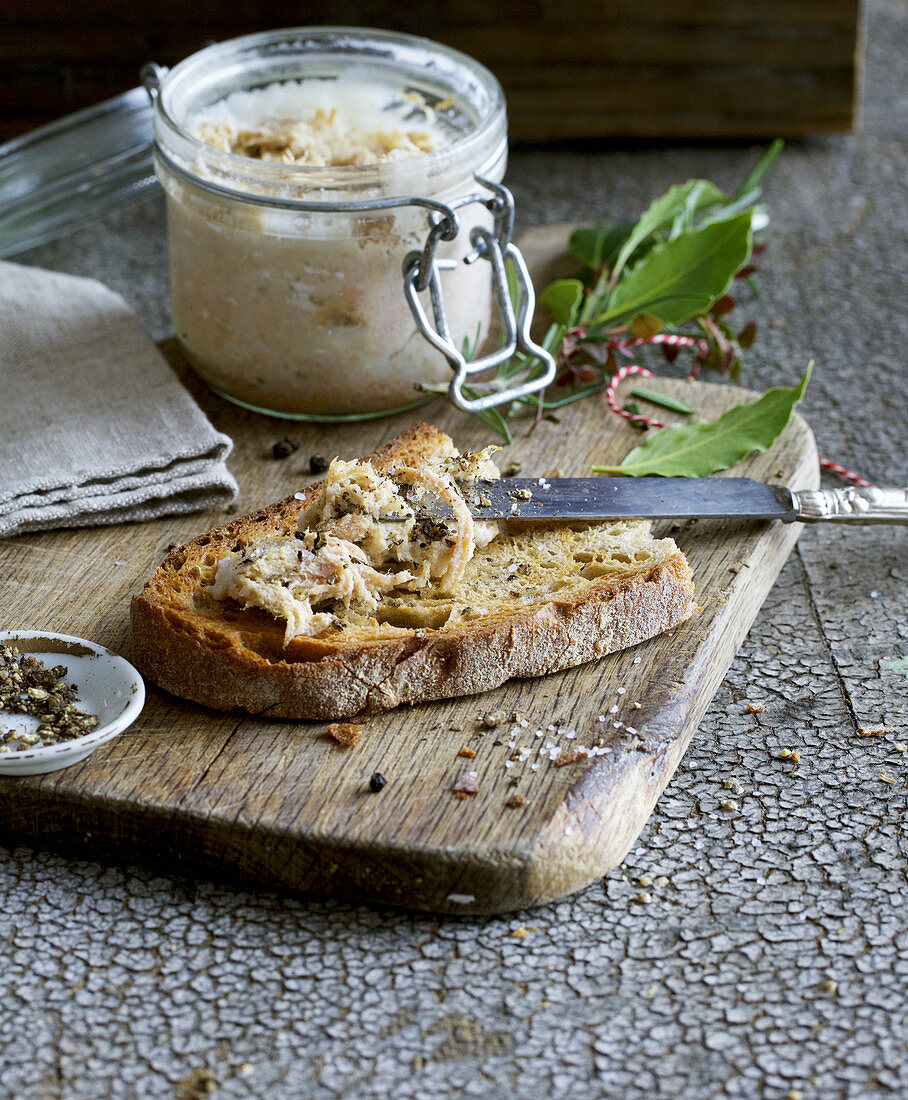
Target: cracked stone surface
756,949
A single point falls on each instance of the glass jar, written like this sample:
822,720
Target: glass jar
286,279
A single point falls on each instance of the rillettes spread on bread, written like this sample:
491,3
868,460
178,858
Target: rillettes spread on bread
377,587
363,537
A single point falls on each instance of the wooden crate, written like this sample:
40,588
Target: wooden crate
585,69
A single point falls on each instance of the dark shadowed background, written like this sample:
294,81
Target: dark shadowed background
589,68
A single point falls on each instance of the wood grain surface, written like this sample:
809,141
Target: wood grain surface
281,804
598,68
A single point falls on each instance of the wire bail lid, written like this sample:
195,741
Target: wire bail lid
421,272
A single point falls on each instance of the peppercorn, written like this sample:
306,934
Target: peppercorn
284,448
318,464
377,782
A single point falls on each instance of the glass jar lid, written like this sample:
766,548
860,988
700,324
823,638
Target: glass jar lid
408,80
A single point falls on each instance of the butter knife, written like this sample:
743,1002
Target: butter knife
596,498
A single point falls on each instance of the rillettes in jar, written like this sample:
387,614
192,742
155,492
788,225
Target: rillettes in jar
298,167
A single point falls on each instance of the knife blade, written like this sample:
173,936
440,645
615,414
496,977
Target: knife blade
596,498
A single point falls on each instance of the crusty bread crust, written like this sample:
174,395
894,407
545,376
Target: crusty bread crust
236,659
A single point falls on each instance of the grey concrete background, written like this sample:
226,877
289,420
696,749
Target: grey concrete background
755,952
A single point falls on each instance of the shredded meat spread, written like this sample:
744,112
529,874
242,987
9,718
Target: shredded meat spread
322,139
363,537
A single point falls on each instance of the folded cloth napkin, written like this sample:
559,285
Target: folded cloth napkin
94,425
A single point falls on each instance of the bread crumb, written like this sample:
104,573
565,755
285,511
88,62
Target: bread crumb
520,932
568,758
754,708
873,731
468,753
887,779
515,801
197,1084
492,718
346,734
900,746
466,786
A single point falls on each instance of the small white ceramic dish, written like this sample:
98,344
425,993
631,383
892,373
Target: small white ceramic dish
107,685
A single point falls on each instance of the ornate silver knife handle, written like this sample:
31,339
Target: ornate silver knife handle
852,505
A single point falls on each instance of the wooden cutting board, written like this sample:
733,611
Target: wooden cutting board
280,804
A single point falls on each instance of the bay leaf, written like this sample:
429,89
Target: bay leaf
662,212
562,299
682,279
701,448
597,246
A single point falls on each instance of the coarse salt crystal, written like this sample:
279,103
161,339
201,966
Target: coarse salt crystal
636,660
601,718
550,728
299,496
523,723
571,734
568,831
534,767
621,691
631,729
613,710
617,725
509,763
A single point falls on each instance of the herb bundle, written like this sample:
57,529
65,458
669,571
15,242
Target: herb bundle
664,279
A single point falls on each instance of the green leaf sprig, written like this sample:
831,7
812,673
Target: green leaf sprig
669,272
700,447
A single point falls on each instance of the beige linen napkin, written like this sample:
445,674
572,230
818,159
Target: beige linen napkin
94,425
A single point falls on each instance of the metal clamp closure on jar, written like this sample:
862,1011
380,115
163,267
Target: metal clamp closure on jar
421,272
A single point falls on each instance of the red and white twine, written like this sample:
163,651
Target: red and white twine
617,378
848,475
625,346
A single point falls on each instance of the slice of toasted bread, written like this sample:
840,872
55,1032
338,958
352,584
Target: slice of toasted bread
538,599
